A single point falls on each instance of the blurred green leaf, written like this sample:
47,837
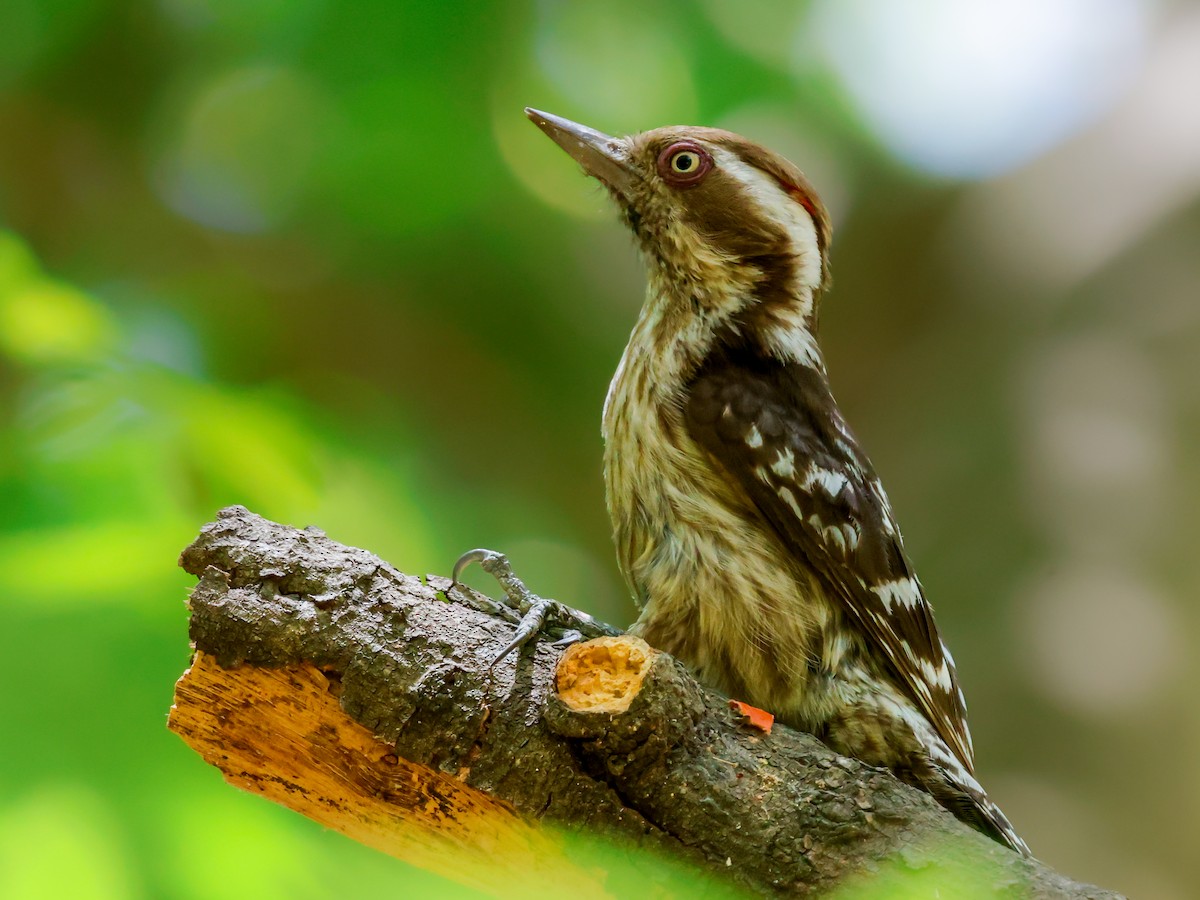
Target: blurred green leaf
239,160
42,321
970,877
63,841
310,257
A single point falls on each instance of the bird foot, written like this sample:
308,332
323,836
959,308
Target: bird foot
537,614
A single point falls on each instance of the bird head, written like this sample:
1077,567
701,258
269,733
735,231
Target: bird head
723,222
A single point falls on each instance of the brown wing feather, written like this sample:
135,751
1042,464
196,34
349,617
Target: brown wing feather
777,431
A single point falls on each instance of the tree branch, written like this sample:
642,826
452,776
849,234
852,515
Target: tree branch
362,697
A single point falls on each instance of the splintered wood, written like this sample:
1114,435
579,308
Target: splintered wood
281,733
603,674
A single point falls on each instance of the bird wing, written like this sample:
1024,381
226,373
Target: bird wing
775,428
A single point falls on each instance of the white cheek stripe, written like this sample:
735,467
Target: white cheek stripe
780,207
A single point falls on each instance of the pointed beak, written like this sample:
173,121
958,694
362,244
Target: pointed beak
602,156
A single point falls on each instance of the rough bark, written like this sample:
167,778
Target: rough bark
330,682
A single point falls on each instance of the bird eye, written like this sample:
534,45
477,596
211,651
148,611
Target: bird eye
684,164
685,161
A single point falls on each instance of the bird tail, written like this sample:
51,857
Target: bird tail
886,729
958,791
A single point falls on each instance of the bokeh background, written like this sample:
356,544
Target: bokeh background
309,257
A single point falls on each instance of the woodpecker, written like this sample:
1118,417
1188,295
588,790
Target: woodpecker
756,538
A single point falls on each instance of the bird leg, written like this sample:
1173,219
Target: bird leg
537,614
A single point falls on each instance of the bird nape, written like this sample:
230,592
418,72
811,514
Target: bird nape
752,530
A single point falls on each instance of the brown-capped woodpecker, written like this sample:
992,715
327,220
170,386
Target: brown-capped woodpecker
751,527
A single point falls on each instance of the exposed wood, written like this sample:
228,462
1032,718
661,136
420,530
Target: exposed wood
281,733
603,675
362,697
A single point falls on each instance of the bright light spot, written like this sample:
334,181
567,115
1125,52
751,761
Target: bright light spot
1101,641
1097,404
1096,442
45,322
241,158
159,335
971,89
1067,216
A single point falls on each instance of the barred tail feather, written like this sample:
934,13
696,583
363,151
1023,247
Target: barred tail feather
962,795
958,791
882,727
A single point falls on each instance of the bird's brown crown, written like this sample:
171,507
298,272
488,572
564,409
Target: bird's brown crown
719,216
719,183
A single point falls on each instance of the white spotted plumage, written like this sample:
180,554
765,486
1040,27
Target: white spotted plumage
757,539
898,592
831,482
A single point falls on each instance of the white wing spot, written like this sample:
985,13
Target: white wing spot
946,653
900,592
831,483
785,464
834,535
924,691
753,438
786,495
843,429
938,675
877,489
851,533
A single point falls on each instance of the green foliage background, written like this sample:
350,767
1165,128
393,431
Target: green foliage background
309,257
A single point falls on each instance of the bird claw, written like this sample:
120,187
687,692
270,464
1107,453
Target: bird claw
527,629
537,613
478,555
533,609
497,565
569,637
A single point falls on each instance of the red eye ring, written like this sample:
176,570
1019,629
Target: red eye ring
684,164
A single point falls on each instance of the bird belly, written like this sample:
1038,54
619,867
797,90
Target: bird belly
717,589
746,627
